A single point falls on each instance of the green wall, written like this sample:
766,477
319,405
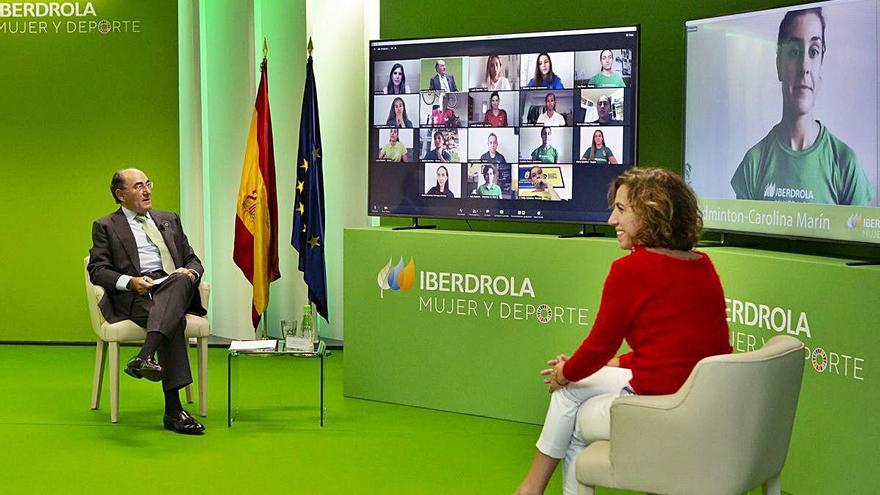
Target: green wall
74,107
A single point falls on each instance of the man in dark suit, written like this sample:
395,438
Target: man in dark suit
443,81
150,274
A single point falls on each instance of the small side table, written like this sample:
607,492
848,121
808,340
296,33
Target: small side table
319,353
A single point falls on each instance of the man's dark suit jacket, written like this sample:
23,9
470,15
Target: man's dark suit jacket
435,82
114,253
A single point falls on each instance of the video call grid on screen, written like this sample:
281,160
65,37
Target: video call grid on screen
737,124
408,94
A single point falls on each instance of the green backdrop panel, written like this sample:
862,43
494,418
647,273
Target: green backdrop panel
833,309
476,348
80,96
465,331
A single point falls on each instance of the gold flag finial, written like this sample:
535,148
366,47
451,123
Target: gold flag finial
265,47
310,46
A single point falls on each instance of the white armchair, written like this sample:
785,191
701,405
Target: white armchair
726,431
109,335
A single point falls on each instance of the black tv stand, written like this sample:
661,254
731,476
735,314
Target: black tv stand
583,232
414,225
725,241
863,263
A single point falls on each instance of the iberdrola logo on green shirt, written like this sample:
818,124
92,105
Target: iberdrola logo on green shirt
772,191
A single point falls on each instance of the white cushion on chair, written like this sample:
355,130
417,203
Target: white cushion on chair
127,330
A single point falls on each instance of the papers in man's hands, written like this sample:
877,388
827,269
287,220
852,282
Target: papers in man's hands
253,345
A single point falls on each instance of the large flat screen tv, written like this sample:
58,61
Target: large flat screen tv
781,133
528,126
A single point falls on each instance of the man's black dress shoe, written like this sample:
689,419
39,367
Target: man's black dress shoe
144,368
183,423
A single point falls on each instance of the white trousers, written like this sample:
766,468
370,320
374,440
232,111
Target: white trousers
563,436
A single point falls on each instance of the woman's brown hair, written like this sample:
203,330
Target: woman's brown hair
665,205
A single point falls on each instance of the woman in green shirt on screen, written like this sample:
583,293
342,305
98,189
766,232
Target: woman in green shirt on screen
598,152
546,153
490,188
800,160
606,77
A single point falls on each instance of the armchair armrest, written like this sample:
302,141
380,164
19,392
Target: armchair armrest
205,293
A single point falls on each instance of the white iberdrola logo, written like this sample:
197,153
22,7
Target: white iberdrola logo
855,221
46,9
398,278
772,191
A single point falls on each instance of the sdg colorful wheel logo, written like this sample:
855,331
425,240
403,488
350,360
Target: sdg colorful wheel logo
544,313
398,278
820,359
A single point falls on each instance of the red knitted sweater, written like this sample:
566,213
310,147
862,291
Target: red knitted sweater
671,313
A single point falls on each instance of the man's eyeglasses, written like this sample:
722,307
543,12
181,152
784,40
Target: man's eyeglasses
140,186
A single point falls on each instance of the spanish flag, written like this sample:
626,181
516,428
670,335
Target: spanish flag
256,216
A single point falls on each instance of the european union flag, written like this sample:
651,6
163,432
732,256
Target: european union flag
308,211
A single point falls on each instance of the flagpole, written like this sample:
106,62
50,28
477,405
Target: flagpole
308,213
258,174
309,47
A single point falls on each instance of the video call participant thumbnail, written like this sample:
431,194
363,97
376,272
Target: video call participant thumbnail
396,81
546,153
606,77
395,111
605,108
550,117
492,155
544,77
441,186
612,100
541,188
538,108
494,80
800,160
438,109
442,81
397,114
598,152
394,150
489,188
438,152
495,117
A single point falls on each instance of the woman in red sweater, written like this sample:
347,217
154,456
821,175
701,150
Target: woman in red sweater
664,299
